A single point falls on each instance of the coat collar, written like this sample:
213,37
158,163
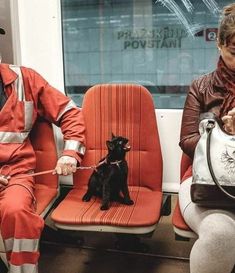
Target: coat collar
8,76
217,82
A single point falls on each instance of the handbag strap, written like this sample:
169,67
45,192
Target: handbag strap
210,127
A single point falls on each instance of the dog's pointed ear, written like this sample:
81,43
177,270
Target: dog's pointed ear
110,145
112,135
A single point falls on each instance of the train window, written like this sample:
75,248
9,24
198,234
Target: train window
6,45
161,44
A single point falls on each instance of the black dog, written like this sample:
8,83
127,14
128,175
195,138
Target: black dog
110,176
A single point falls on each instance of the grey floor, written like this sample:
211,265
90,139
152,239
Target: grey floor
98,254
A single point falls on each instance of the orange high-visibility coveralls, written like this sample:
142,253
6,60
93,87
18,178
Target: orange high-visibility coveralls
29,97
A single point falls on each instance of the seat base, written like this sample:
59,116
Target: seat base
185,233
110,228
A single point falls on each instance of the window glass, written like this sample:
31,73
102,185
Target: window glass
6,41
162,45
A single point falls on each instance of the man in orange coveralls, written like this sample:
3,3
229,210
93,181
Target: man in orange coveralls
21,101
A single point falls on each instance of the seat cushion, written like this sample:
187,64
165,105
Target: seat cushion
185,173
178,220
45,197
145,211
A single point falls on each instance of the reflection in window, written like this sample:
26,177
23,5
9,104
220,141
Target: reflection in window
162,45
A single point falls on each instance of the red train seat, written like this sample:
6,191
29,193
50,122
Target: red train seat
125,110
47,185
180,227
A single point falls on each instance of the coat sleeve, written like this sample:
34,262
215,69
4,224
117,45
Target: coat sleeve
189,134
62,111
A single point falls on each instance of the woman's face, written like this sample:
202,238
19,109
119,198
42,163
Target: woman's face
227,53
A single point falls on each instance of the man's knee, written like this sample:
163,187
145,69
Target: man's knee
12,209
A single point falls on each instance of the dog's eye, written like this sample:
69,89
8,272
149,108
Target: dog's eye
120,142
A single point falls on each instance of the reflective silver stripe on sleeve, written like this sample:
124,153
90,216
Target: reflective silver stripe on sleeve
19,245
69,106
28,115
27,268
75,146
19,85
13,137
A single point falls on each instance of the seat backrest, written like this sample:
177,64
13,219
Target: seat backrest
185,163
124,110
42,139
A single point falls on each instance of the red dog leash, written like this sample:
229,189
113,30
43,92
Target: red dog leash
21,176
52,170
43,172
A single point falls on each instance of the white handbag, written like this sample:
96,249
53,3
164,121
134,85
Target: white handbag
214,165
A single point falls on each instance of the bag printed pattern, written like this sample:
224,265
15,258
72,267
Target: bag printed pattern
222,151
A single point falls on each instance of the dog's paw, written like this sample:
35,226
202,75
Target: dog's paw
128,202
86,198
104,207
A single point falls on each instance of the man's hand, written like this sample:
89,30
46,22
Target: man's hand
66,165
229,122
3,181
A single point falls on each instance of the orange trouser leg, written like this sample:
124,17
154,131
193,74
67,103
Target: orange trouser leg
20,227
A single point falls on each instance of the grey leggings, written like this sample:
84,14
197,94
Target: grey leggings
214,251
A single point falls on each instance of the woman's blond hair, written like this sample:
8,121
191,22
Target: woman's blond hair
226,29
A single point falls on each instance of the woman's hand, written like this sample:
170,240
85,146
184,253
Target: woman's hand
229,122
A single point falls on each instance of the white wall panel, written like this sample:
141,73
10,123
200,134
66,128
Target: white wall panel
169,122
39,44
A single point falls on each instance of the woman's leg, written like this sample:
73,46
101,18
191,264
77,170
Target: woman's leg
214,251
